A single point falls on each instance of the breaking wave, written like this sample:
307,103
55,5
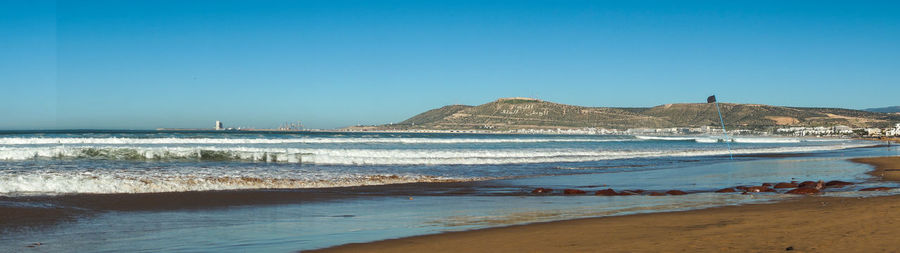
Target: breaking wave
68,182
710,139
372,156
313,140
87,162
305,140
666,138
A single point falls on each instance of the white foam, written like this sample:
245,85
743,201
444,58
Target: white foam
666,138
302,140
376,156
124,181
713,139
11,141
707,140
766,140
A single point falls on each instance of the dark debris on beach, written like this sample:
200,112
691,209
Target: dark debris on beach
792,187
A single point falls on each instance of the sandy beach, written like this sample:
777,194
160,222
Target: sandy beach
887,168
804,224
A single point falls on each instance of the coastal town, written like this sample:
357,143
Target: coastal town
820,131
524,115
839,131
521,115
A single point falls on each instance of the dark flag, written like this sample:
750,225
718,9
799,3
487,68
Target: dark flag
711,99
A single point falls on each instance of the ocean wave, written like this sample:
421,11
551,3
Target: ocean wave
767,140
666,138
750,140
12,141
711,139
372,156
707,140
115,181
304,140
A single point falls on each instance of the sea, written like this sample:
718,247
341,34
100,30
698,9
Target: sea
243,191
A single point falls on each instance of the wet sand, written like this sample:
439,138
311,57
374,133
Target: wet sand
804,224
48,210
13,218
886,168
217,199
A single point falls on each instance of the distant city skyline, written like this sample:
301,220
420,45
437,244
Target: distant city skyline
186,64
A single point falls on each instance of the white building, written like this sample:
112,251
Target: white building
810,131
843,129
873,131
893,131
219,125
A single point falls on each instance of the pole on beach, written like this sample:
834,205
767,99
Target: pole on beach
712,99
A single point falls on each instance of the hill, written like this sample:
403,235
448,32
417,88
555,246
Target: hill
889,109
435,115
524,113
516,113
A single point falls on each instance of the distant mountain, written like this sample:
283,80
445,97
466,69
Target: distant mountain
889,109
522,113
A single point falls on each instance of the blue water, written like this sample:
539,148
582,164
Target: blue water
323,189
150,161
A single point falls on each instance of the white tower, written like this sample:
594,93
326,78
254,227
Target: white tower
219,125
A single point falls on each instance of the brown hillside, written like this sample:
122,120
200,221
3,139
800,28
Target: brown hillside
519,113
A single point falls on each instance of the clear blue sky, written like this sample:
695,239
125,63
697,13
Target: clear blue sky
147,64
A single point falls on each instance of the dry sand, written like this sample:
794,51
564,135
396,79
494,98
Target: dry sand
805,224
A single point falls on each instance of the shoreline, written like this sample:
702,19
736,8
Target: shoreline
885,168
807,223
830,224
